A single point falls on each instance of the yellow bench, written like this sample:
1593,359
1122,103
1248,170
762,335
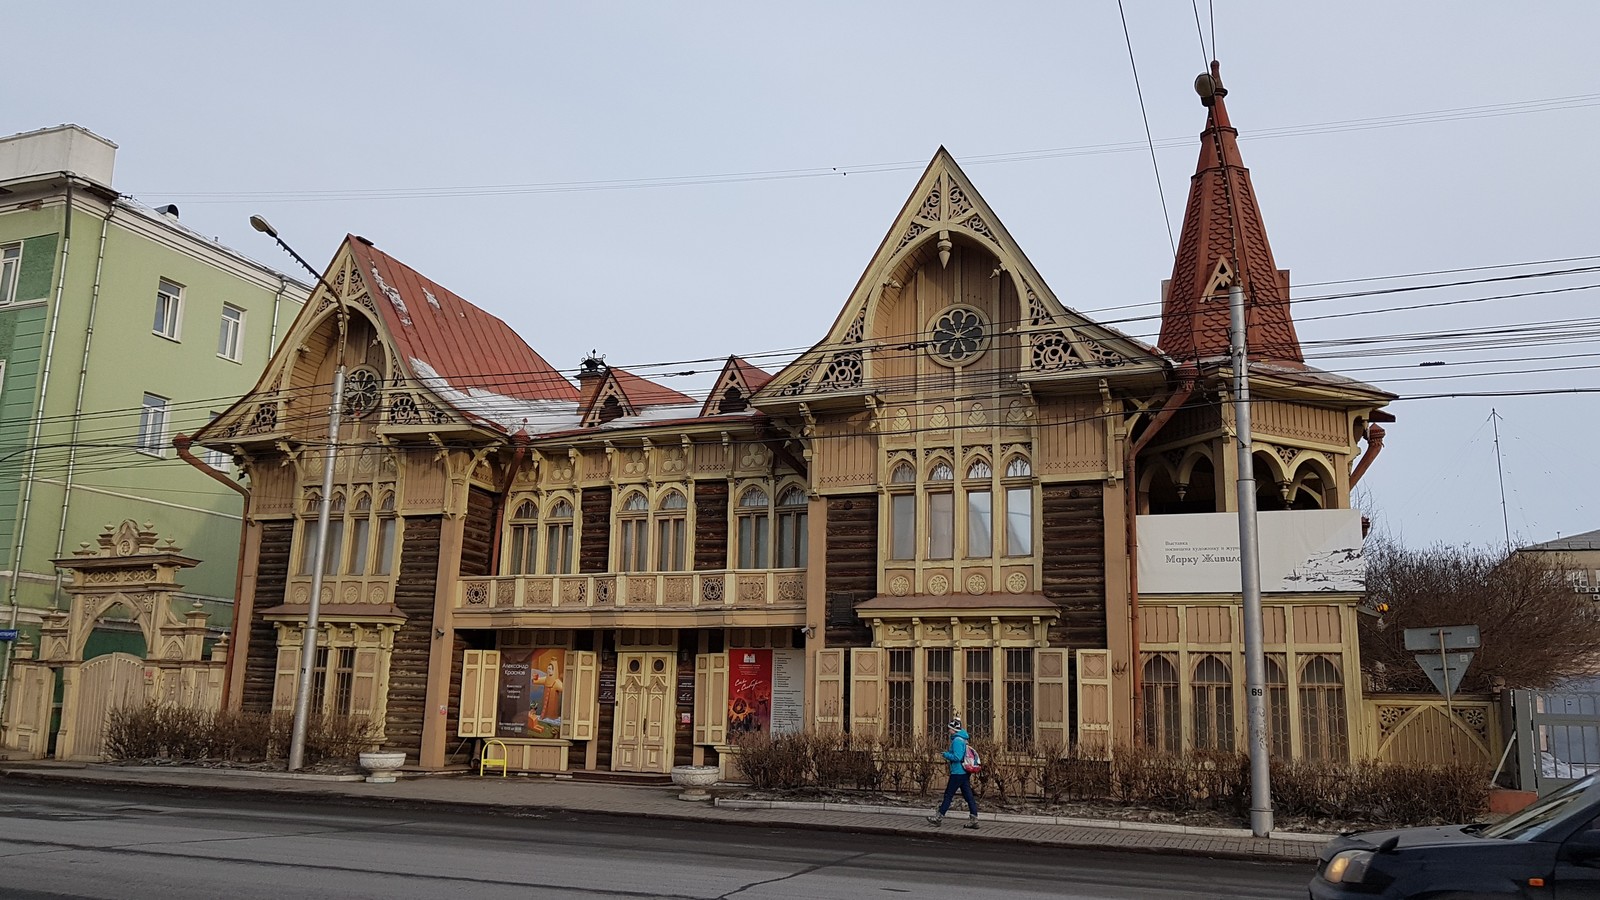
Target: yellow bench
485,761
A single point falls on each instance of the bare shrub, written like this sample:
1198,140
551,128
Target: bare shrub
1535,630
1073,773
775,762
848,761
186,734
338,738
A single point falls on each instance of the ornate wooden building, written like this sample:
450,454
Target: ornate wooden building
933,511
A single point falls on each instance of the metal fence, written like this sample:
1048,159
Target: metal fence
1558,736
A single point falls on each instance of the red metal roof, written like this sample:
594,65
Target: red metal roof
754,379
642,392
462,344
1223,224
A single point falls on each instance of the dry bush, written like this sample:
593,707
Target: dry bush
1535,631
193,735
775,762
1380,794
848,761
1073,773
338,738
913,764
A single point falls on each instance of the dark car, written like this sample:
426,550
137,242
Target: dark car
1549,850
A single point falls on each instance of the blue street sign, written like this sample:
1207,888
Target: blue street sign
8,634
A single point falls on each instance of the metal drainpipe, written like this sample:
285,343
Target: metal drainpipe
83,377
33,458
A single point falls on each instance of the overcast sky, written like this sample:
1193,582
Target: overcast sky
667,181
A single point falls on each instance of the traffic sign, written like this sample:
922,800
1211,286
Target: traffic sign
1445,670
8,634
1443,637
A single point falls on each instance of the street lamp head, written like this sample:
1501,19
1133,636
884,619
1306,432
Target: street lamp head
263,226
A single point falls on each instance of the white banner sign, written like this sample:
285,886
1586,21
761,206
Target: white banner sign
788,691
1300,551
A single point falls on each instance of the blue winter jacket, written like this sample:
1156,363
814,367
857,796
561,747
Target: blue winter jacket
957,752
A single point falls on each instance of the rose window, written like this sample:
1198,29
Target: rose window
960,334
361,389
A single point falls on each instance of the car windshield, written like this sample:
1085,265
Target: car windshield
1545,812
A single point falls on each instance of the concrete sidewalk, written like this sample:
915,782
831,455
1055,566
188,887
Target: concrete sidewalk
513,793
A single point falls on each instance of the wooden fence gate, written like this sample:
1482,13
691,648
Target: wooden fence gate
105,683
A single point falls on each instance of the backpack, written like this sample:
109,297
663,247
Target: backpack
970,762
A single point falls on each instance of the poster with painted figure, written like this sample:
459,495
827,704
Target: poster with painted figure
531,684
749,691
546,684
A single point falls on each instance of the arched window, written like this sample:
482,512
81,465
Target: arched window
941,511
633,523
902,512
753,528
387,533
792,523
308,532
672,523
1322,715
1163,722
1277,707
980,509
1019,507
1213,704
558,539
335,552
524,540
360,534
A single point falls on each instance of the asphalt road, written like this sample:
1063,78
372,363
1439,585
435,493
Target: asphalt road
83,841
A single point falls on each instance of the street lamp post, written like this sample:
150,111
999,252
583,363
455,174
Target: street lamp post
308,651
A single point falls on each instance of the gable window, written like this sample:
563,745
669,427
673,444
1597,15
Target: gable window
524,540
10,268
153,426
558,539
360,535
753,528
1019,507
633,523
169,309
792,522
672,521
387,529
231,336
902,513
980,510
941,512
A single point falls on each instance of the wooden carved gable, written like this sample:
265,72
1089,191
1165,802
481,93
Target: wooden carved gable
942,210
610,402
732,391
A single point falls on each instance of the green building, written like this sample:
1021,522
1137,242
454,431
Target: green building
119,328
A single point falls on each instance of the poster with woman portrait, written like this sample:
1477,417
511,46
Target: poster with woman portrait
749,691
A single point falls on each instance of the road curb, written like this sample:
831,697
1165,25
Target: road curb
375,801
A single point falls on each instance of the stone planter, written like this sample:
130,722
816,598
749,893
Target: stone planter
382,765
694,780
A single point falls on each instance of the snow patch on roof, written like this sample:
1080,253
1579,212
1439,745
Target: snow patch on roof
432,300
393,295
510,413
666,413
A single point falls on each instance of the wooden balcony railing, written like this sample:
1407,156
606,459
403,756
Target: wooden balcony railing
780,589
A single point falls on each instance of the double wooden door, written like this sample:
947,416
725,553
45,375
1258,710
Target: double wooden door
643,730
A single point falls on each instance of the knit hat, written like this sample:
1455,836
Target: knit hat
955,724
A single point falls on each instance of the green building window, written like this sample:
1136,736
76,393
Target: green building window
10,266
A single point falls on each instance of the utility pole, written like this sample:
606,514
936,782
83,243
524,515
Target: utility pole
1500,469
1255,666
308,650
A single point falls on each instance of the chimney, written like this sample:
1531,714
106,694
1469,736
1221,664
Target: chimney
591,374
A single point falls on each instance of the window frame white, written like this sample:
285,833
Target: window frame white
10,272
230,334
168,320
153,421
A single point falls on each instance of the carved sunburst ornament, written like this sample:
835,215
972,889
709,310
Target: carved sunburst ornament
960,335
361,389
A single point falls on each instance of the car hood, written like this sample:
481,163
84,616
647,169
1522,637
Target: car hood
1410,839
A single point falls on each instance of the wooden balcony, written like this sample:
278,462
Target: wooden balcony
772,598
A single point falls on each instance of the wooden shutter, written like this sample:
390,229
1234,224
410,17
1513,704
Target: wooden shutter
1094,702
866,691
711,699
480,693
830,690
287,680
580,706
1050,689
364,682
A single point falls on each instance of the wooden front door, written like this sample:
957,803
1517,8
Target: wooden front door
642,733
